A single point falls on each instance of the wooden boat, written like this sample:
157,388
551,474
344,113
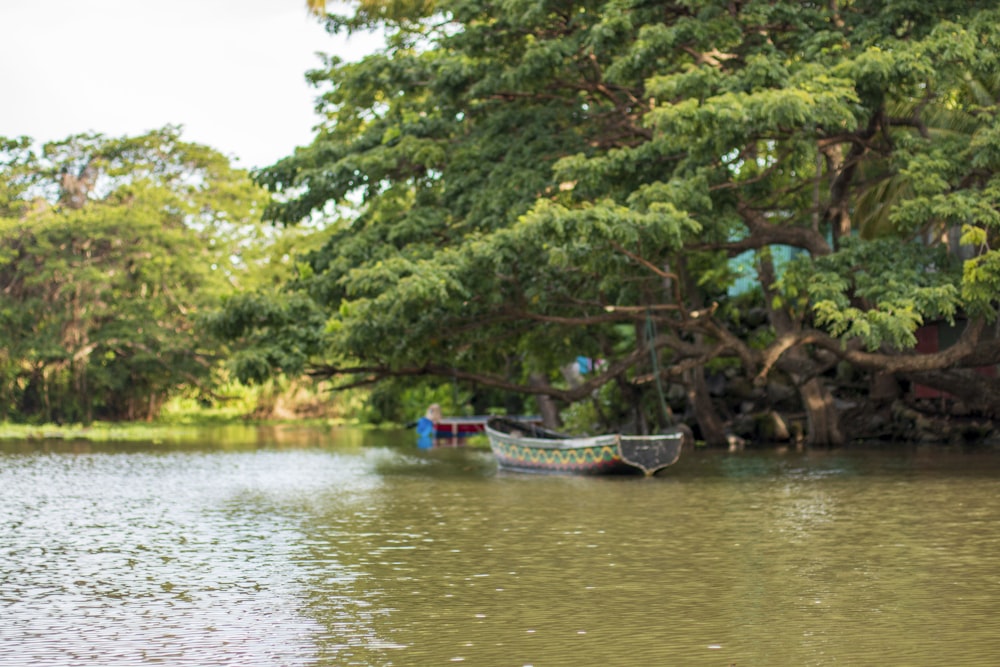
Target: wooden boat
527,447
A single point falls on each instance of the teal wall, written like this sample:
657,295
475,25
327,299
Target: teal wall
745,267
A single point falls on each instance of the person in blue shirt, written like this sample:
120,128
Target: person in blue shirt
425,426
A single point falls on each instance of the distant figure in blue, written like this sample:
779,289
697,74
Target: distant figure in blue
425,427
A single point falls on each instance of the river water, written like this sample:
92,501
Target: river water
354,548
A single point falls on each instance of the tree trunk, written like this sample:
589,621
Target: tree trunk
711,427
979,392
546,406
709,423
821,413
883,388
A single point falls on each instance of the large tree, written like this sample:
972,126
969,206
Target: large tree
109,250
545,179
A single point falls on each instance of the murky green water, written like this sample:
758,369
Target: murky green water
358,549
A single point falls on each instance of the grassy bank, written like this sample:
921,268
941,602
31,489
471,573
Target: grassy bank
101,432
181,419
172,432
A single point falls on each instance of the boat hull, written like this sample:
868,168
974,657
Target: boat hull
600,455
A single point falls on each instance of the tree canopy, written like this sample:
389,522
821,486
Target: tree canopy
110,249
537,180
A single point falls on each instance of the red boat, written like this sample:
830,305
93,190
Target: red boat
459,427
440,427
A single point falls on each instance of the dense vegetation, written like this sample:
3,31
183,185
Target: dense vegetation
743,212
109,251
547,180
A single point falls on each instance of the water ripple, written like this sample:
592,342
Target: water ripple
131,559
379,556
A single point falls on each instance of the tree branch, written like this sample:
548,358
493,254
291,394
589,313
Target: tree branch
967,352
764,233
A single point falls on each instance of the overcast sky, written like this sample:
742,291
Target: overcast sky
230,71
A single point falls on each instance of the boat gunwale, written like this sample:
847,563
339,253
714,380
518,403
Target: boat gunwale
553,443
573,442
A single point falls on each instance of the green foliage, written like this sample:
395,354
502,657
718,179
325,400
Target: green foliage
275,333
110,248
531,176
981,284
856,294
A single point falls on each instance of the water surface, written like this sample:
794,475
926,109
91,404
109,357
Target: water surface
343,548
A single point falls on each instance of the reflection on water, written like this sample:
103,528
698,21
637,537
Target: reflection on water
362,549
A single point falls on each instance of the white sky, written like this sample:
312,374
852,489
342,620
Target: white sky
231,72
